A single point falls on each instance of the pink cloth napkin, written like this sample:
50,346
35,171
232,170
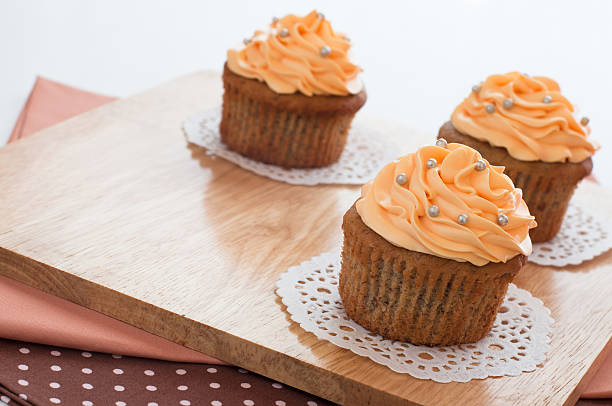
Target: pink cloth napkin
37,317
31,315
50,103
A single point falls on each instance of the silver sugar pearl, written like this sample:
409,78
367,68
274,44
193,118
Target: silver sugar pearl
325,51
433,211
441,142
584,121
246,41
490,108
480,165
321,15
401,179
508,103
462,218
476,88
547,99
431,163
502,220
347,39
274,20
284,33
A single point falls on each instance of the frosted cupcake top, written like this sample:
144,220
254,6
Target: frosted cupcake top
526,115
298,54
449,202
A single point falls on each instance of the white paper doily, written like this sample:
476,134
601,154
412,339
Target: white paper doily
582,237
366,152
517,343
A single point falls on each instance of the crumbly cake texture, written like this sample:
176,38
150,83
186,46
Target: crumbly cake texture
547,186
288,130
419,298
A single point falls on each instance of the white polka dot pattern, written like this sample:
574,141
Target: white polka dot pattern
70,377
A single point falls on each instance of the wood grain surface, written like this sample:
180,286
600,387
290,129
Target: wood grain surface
112,210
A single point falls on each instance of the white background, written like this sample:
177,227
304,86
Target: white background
420,58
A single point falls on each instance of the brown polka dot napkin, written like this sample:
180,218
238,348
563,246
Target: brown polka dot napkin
33,374
7,397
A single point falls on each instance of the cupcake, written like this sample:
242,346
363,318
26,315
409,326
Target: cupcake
526,125
431,246
291,93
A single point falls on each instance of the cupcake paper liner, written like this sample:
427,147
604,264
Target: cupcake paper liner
415,297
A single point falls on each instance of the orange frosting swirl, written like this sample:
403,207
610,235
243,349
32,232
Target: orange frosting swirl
289,59
535,124
399,212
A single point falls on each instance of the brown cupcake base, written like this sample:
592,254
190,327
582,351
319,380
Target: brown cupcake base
293,131
547,186
419,298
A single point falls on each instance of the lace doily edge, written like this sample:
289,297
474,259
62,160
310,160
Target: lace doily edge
295,310
582,260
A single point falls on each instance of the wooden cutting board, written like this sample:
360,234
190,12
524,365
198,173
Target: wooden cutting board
112,210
